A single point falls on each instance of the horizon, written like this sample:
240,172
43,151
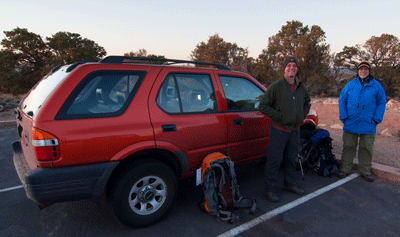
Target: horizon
174,28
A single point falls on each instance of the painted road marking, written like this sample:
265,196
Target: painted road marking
12,188
286,207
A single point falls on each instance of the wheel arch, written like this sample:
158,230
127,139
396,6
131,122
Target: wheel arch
175,160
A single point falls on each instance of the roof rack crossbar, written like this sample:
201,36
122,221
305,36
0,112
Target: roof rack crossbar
126,59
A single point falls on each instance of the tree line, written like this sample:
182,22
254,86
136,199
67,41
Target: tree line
26,57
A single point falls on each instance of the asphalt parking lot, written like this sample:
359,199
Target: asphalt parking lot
330,207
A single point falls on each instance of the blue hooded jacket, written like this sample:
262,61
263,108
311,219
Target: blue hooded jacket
361,107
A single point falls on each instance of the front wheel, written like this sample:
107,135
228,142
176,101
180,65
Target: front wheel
144,194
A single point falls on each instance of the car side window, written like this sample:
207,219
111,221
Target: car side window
167,98
187,93
102,94
240,93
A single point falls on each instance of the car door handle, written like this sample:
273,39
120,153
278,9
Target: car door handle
168,127
237,122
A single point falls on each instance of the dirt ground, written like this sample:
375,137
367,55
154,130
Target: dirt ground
7,115
386,149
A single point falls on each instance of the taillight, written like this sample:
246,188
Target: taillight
45,145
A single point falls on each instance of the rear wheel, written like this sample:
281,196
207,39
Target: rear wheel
144,194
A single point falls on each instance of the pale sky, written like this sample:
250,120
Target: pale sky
174,28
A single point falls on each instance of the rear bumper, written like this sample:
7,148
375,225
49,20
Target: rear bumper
46,185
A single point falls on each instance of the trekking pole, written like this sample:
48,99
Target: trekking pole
301,168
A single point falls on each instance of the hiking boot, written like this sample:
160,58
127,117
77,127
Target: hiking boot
294,190
342,175
368,177
272,197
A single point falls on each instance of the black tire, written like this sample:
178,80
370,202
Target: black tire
144,194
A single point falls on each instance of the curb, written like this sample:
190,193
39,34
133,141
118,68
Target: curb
10,123
385,172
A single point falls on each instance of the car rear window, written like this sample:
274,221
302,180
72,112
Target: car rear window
39,93
102,94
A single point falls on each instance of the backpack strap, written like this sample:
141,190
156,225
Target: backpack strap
246,203
221,182
234,185
238,200
227,216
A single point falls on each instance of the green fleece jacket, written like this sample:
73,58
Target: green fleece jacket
285,109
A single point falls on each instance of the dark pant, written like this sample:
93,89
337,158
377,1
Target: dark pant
283,147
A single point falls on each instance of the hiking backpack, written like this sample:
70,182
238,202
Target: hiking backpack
221,191
320,156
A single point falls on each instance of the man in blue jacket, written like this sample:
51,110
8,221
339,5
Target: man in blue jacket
362,105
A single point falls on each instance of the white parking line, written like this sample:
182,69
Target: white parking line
286,207
12,188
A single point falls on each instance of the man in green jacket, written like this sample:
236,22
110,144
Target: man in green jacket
287,103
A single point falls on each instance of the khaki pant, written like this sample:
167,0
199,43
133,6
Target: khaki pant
365,143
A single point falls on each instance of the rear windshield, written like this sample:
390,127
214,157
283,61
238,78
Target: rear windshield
39,93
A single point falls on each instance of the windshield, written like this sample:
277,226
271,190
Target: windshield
38,94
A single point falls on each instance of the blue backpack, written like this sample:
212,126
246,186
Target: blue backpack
319,153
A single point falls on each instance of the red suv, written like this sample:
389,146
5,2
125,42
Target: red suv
130,129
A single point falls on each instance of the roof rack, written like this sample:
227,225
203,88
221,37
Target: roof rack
73,66
56,68
129,59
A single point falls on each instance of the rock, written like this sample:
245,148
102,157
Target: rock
336,126
392,103
386,133
331,101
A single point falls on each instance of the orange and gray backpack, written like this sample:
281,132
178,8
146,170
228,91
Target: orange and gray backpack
221,191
